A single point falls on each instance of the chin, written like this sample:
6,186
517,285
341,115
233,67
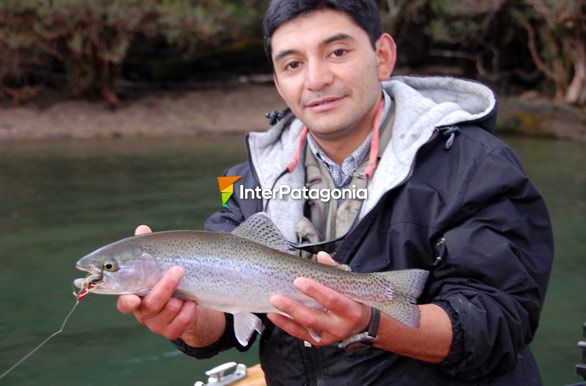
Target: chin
329,129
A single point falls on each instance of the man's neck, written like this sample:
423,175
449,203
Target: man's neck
339,149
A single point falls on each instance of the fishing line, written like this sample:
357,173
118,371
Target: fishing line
43,342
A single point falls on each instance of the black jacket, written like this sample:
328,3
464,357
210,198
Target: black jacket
467,213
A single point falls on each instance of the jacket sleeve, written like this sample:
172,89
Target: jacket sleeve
494,270
226,220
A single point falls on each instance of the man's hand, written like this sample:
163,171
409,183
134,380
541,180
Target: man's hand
340,318
159,311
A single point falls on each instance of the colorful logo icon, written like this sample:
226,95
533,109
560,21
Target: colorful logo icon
226,185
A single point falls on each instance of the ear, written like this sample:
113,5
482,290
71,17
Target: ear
386,56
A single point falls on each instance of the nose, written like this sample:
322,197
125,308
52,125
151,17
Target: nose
319,75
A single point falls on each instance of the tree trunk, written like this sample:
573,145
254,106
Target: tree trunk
577,90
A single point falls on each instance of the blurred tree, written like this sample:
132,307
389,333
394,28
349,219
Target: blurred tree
504,41
90,39
556,31
513,44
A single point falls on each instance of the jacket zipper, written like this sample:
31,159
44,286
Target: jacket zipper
315,364
312,354
407,178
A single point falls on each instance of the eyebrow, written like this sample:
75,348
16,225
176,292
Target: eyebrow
332,39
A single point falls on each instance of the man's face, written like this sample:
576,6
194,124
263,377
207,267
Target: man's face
328,73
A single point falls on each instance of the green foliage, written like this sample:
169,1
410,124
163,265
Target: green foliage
535,44
90,39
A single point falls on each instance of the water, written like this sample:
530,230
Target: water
558,168
60,200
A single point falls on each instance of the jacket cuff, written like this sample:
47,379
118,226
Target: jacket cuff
456,354
226,341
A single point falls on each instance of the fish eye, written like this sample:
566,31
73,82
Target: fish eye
110,266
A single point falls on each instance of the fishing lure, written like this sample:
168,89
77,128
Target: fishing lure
91,281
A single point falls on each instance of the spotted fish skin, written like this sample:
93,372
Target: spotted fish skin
233,274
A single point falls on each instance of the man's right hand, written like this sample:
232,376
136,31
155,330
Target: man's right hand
171,317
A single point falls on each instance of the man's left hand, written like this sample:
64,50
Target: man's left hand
340,318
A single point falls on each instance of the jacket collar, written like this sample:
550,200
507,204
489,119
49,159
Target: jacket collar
422,104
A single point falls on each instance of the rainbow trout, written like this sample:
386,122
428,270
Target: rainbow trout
238,273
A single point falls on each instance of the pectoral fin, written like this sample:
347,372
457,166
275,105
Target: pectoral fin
244,325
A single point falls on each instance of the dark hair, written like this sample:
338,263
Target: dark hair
364,13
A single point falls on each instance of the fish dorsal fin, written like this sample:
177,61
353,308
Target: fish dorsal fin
261,229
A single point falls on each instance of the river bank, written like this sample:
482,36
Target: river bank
237,109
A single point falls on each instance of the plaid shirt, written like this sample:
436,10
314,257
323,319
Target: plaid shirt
342,174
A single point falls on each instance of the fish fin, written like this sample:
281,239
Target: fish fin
315,334
400,291
244,325
261,229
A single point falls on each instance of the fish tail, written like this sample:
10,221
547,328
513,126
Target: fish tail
400,292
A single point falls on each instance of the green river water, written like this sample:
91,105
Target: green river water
60,200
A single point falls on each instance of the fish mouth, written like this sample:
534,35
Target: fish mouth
90,281
94,278
96,282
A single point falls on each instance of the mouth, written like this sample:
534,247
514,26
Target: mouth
93,279
324,104
90,281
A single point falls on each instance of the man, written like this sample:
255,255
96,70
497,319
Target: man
443,195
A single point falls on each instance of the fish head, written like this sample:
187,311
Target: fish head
120,268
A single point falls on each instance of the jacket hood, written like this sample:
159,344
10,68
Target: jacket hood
457,101
422,105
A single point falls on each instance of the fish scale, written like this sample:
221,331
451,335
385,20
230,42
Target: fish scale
238,273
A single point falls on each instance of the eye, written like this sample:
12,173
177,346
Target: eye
339,52
110,266
292,65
